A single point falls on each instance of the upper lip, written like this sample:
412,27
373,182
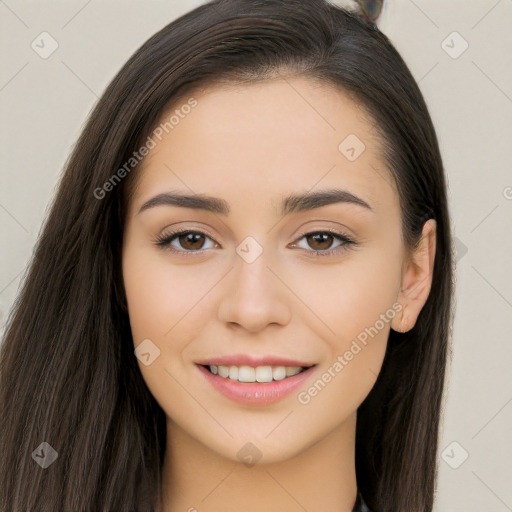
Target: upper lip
248,360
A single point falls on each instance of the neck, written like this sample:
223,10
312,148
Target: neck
321,477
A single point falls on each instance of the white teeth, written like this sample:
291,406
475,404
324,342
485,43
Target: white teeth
264,373
233,372
258,374
292,370
224,371
246,374
279,373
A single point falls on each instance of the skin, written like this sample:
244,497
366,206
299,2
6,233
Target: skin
239,144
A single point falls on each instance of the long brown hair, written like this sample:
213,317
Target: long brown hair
68,374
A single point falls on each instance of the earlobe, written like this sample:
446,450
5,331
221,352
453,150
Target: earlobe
400,322
416,280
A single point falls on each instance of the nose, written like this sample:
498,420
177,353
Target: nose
254,297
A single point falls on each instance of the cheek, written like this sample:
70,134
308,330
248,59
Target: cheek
165,306
346,298
352,313
161,297
358,310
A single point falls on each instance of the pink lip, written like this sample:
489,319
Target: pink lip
256,393
247,360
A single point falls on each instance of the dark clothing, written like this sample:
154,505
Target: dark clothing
360,505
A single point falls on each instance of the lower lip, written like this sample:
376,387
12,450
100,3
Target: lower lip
256,393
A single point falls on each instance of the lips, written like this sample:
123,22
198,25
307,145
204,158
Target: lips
256,393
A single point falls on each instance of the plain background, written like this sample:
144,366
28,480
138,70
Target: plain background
45,102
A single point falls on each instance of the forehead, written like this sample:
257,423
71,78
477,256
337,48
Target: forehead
268,139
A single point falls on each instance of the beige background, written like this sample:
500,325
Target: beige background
45,102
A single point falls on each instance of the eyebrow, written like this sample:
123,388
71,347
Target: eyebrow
290,204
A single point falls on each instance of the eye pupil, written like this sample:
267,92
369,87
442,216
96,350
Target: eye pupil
191,240
320,238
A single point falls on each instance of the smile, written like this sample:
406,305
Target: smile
260,385
255,374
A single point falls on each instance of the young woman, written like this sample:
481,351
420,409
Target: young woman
241,298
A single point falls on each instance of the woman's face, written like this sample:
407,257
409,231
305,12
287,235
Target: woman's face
258,277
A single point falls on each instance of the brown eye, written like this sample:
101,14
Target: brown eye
320,241
191,240
184,241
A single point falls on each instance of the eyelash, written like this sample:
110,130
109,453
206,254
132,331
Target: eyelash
164,241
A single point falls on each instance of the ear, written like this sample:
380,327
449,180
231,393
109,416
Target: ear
416,279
